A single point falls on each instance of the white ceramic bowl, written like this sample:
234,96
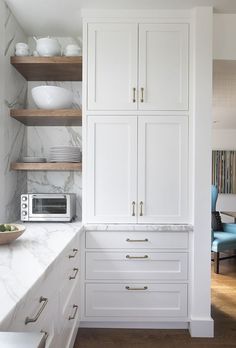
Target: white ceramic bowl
47,47
22,52
21,45
9,236
52,97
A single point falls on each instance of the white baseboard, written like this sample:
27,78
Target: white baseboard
134,325
199,327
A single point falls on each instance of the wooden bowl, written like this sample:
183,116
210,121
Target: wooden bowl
10,236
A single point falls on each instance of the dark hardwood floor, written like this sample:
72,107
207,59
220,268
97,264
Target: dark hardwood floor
223,312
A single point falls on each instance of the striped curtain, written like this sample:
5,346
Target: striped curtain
224,171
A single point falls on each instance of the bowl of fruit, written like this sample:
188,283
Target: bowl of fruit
10,232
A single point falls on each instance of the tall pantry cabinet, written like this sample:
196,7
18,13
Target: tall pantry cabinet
137,74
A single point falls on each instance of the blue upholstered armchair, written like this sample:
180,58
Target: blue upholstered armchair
223,240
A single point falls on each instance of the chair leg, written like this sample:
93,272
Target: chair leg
216,262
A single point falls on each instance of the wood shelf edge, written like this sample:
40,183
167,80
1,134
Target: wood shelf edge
20,166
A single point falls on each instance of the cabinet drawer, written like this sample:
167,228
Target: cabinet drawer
136,240
136,300
138,265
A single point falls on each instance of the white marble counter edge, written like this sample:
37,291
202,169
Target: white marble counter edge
140,227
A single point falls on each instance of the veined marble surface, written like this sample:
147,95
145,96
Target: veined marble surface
140,227
24,261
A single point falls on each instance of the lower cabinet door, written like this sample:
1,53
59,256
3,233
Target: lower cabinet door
136,265
69,318
136,300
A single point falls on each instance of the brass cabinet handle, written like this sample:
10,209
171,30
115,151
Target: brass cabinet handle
72,317
133,211
46,334
137,257
75,252
76,270
136,289
35,318
136,240
142,95
141,208
134,95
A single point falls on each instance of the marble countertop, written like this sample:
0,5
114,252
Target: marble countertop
25,260
140,227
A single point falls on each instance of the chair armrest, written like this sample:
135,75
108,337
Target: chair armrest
231,228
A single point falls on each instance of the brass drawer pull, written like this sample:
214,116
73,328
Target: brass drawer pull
137,257
75,252
133,204
141,209
136,289
142,95
72,317
76,270
136,240
46,334
34,319
134,95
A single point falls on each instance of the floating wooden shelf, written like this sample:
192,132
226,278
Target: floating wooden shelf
49,68
46,166
39,117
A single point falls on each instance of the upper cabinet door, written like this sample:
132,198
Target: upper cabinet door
111,168
112,66
163,169
163,67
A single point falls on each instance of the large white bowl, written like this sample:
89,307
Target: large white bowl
48,47
52,97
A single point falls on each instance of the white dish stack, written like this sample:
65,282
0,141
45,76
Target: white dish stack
68,154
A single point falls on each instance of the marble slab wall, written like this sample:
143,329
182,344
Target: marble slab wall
13,142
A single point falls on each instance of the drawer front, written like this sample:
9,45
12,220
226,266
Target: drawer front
136,300
136,240
138,265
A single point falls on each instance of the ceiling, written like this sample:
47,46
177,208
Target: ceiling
63,17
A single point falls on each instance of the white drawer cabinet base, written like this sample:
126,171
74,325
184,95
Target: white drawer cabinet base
136,266
138,300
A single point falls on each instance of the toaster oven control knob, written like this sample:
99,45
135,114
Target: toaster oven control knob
24,213
24,198
24,206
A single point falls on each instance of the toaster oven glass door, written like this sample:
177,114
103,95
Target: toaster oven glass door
45,206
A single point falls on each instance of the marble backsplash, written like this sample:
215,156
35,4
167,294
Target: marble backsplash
14,141
39,141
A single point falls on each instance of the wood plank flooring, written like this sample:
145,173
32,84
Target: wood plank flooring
223,312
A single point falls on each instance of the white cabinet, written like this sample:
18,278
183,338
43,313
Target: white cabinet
143,300
137,66
163,169
111,169
135,276
163,66
112,66
137,169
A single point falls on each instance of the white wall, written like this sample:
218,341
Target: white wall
225,139
224,36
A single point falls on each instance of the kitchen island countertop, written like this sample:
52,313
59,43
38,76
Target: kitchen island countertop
24,261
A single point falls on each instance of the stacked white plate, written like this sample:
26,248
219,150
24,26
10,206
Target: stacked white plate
65,154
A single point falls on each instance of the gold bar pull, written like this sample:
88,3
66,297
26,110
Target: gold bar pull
136,257
141,208
134,95
136,289
75,250
72,317
133,211
136,240
44,302
142,95
76,270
